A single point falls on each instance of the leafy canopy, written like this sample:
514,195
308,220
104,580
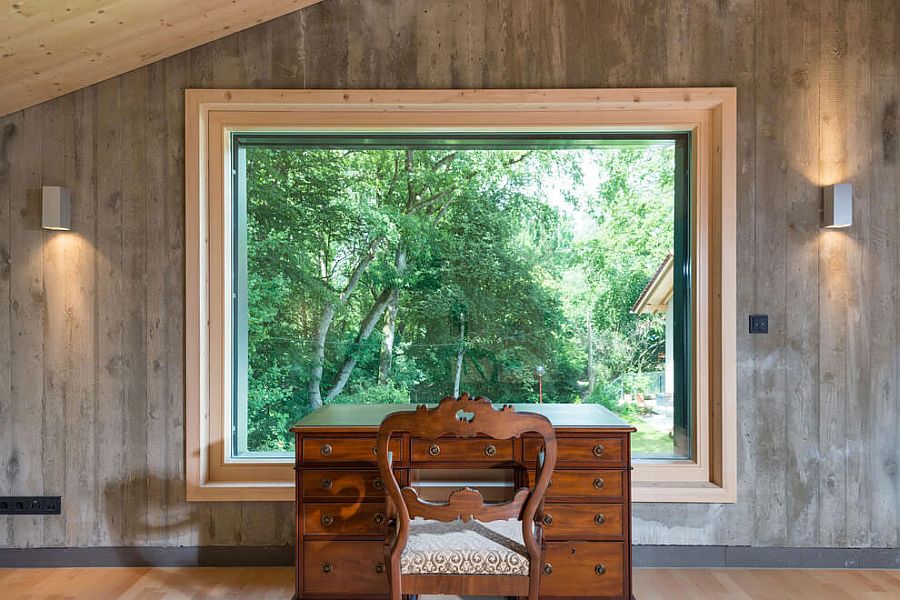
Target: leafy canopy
448,265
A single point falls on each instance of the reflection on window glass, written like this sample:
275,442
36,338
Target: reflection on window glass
392,274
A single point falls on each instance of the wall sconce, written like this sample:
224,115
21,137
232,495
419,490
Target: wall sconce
56,205
838,205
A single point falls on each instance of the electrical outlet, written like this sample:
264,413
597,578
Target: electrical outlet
30,505
759,323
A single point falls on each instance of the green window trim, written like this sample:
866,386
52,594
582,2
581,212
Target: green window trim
683,239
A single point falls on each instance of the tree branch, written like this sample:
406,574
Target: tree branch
365,330
517,160
410,192
446,160
390,191
360,269
431,200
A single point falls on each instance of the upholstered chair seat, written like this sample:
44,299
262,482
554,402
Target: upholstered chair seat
458,548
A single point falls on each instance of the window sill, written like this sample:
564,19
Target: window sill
682,492
242,491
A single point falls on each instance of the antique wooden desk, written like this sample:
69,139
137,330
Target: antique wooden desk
340,498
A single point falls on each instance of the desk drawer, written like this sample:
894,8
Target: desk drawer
351,485
337,450
595,450
457,450
584,483
359,518
582,521
591,569
345,568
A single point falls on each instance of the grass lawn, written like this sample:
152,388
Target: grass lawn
647,439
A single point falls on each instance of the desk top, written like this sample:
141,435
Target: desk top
369,416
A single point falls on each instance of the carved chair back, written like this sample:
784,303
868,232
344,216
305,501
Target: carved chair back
465,417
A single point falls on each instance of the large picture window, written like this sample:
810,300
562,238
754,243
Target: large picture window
396,269
391,246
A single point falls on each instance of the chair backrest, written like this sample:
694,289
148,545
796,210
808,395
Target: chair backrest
466,417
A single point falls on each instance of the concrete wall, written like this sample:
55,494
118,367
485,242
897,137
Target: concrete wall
91,323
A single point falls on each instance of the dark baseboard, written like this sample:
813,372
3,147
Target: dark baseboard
709,557
753,557
150,556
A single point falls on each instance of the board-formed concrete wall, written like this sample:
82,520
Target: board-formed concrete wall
91,323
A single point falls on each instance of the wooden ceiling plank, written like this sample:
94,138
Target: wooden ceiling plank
51,47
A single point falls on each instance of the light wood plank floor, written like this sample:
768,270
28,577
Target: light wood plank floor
264,583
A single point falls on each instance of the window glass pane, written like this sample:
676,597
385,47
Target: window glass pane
394,270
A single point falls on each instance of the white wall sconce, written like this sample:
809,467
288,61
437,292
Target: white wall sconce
56,208
838,205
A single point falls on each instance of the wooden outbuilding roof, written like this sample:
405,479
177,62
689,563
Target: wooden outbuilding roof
658,292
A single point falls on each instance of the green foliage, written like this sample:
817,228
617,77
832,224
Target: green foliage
608,394
633,212
502,257
389,393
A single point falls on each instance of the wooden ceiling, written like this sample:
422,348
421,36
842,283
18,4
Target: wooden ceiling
51,47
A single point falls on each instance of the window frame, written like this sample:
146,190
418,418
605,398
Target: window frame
211,116
241,142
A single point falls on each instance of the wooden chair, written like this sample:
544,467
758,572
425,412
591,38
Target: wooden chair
464,546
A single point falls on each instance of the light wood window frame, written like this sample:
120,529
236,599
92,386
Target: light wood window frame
710,114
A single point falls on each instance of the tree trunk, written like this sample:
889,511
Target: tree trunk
387,344
459,354
314,394
318,358
592,376
390,321
474,362
365,330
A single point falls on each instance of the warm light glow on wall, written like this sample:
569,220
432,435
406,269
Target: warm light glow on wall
836,279
65,254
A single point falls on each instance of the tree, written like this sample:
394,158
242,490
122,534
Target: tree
633,209
390,274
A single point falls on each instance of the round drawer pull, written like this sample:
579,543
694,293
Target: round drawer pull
600,570
548,569
599,519
599,450
548,519
434,450
599,483
327,520
327,483
378,519
378,484
379,567
327,450
326,567
490,450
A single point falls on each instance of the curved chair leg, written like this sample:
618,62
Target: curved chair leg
534,580
394,581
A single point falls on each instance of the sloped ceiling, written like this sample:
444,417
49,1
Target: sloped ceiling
51,47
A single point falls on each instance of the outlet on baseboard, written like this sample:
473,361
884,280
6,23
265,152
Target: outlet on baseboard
30,505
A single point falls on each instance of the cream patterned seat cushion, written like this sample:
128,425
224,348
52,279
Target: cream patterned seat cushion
457,548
